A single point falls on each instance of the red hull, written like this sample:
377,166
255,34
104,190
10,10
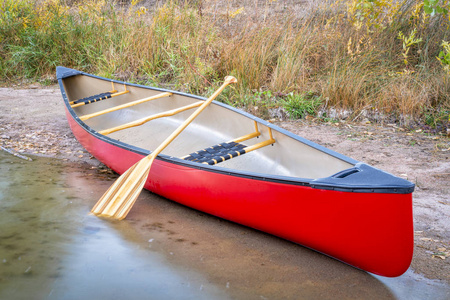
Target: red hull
371,231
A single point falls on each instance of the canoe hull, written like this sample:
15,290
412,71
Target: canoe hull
371,231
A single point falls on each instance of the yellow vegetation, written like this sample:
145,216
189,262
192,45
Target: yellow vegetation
358,55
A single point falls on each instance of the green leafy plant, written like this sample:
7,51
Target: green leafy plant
408,42
299,106
437,117
368,13
444,56
433,7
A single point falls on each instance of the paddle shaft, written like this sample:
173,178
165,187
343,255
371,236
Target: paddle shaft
228,80
120,197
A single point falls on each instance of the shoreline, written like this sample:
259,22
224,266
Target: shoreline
32,122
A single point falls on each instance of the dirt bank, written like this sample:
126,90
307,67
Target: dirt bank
32,121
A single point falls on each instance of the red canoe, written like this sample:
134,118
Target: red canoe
238,167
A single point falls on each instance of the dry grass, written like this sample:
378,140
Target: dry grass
349,57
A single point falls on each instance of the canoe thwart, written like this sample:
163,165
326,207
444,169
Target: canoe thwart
126,105
152,117
225,151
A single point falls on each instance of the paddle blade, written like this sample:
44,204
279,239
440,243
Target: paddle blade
120,197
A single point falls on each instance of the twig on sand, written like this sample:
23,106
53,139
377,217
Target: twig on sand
15,154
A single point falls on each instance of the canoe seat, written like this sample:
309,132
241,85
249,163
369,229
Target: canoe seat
98,97
217,153
224,151
93,98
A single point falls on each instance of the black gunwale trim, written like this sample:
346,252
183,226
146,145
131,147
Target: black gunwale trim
63,72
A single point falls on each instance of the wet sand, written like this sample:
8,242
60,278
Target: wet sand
246,262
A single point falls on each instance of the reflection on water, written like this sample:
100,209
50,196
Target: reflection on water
51,248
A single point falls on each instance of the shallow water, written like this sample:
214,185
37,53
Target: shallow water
51,248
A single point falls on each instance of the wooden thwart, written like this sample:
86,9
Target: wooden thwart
248,136
261,144
152,117
126,105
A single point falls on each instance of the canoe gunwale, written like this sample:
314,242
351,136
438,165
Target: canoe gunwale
320,183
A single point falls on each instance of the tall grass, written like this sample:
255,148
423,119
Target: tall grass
172,45
369,58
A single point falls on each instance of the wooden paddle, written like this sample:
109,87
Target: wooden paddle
120,197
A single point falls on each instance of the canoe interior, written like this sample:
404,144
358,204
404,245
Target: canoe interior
288,156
